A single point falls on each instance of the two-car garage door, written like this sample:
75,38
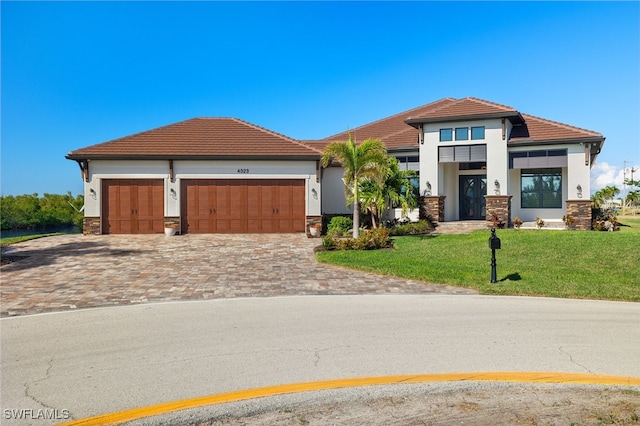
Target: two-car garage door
243,205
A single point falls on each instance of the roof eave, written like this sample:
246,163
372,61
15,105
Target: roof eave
414,122
76,157
533,142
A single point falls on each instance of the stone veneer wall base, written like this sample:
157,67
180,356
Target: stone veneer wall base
580,210
91,226
431,207
173,222
500,206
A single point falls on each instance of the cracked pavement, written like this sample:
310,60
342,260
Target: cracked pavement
95,361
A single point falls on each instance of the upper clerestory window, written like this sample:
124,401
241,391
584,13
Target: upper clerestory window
446,135
477,133
462,133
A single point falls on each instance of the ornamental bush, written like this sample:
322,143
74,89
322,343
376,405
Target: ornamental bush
340,226
369,240
412,228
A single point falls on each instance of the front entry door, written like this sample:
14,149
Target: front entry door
472,201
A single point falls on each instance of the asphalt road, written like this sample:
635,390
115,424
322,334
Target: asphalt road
103,360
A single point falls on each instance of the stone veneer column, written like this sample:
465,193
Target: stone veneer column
499,205
431,207
580,210
91,226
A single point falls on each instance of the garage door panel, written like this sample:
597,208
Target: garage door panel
132,206
244,205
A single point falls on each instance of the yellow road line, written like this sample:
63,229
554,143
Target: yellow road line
153,410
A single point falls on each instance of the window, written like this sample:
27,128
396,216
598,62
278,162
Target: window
462,153
462,133
446,135
541,188
477,133
538,159
478,165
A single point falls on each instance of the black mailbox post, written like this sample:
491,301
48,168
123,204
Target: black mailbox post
494,244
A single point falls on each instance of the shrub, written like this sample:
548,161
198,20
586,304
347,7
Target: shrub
517,222
369,240
339,226
606,222
411,228
568,220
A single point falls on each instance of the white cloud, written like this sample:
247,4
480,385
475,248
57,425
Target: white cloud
603,174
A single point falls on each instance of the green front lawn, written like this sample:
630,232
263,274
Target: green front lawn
14,240
570,264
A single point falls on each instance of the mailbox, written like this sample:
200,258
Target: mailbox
494,242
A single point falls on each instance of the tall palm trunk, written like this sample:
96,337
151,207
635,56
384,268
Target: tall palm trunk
356,218
374,215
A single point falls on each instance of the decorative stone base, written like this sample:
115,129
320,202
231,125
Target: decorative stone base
314,222
172,221
498,209
580,210
431,207
91,226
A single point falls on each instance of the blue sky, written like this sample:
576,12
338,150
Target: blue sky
79,73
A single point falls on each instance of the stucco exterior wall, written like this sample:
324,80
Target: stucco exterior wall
579,169
576,173
186,169
104,169
497,159
333,197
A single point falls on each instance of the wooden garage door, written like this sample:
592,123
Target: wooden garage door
132,206
243,206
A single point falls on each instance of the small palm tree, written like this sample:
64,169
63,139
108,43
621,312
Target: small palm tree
609,193
395,191
597,199
365,161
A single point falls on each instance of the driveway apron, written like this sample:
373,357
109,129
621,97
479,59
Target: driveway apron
76,271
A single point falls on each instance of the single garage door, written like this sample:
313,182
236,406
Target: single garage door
243,205
132,206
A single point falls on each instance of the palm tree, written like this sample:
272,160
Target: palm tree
609,193
360,162
395,191
597,199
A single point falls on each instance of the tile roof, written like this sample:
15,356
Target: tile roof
393,131
462,108
233,138
527,128
201,138
536,129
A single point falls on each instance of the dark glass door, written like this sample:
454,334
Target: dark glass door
472,201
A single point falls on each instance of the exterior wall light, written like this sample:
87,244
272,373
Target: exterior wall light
173,193
579,188
496,188
428,190
93,194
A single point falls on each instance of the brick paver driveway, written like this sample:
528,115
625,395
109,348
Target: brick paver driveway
75,271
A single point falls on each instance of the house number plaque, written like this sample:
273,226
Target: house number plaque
244,171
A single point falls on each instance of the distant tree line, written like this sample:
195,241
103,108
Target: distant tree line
31,211
605,197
